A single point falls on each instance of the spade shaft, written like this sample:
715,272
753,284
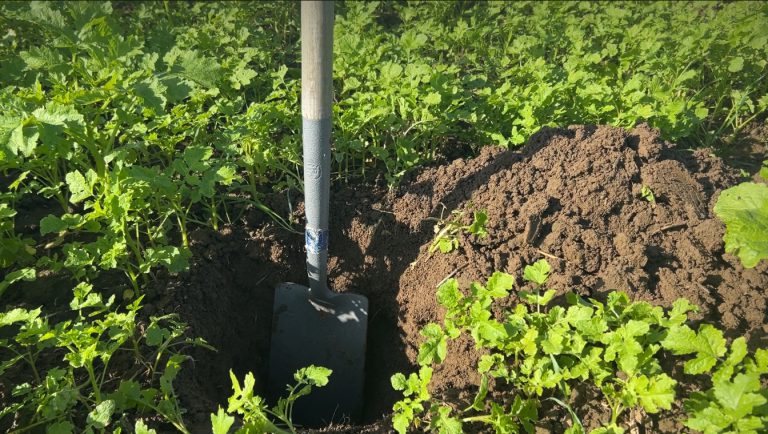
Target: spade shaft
316,111
314,325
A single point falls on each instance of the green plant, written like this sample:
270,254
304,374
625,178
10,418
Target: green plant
82,395
256,415
736,402
447,230
647,194
529,355
744,210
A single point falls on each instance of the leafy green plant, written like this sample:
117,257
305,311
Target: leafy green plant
534,355
81,396
736,402
647,194
256,415
744,210
447,230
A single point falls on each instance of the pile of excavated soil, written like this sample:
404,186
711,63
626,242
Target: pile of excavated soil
570,196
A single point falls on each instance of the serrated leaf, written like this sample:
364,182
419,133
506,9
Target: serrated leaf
142,428
708,420
78,187
610,429
221,422
155,335
744,210
479,402
739,397
538,272
679,312
448,294
314,375
203,70
443,423
680,340
101,415
737,353
436,346
400,423
398,381
710,345
655,393
499,284
487,333
152,95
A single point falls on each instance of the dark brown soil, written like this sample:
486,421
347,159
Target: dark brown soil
569,195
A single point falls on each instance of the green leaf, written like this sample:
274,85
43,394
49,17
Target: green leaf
78,187
609,429
400,422
152,94
433,98
225,175
156,334
242,77
448,294
708,420
479,402
221,422
141,428
655,393
478,224
744,210
736,64
710,345
680,340
679,312
398,381
52,224
58,114
18,315
499,284
100,416
203,70
436,346
737,353
538,272
740,396
444,423
313,375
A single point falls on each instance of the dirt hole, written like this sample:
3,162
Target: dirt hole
580,183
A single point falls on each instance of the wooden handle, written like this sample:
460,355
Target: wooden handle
316,59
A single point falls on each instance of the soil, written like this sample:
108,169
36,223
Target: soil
570,195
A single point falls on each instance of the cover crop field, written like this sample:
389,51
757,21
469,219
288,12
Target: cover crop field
557,210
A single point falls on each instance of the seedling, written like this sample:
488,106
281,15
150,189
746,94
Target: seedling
257,417
647,194
447,231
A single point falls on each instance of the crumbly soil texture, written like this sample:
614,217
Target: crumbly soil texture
570,195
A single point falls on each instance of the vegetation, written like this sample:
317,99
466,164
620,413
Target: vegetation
536,352
744,210
130,124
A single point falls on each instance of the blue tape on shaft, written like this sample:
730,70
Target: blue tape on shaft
316,240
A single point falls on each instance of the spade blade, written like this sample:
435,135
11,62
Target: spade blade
331,333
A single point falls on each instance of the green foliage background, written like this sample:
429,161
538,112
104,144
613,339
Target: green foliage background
133,121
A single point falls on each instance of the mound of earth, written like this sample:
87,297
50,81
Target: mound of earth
570,196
